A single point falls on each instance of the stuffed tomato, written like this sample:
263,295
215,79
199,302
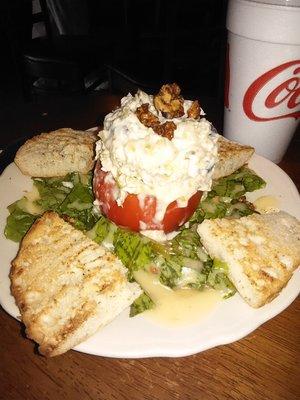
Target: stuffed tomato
155,158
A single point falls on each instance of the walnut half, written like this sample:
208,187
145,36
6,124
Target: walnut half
166,130
151,121
169,102
146,117
194,110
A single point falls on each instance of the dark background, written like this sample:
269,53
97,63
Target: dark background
118,45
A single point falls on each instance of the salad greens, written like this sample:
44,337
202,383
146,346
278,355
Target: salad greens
134,250
226,199
141,304
180,262
18,222
71,196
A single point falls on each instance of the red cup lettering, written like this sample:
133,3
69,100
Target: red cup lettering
287,91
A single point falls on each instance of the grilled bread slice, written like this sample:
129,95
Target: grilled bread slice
66,286
231,156
57,153
261,252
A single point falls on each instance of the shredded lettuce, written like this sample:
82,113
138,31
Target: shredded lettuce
226,199
169,269
100,230
78,204
71,196
177,253
18,222
180,262
218,279
134,250
186,243
141,304
52,191
237,184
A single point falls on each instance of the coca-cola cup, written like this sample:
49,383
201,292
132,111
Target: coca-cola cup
262,86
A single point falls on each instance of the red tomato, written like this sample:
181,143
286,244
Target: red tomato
132,212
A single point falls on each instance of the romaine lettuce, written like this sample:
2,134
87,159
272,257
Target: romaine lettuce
52,191
100,230
141,304
71,195
78,204
218,279
226,196
186,243
18,223
179,262
237,184
134,250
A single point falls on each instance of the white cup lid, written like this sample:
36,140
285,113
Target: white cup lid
265,20
286,3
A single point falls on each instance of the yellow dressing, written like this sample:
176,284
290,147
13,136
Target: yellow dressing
176,307
266,204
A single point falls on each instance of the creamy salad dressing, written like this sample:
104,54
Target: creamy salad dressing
145,163
266,204
178,307
157,235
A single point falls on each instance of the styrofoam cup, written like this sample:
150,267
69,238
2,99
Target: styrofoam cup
262,88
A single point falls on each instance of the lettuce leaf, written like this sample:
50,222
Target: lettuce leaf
187,244
52,191
170,269
226,199
71,195
237,184
134,250
180,262
100,230
218,279
141,304
78,204
18,223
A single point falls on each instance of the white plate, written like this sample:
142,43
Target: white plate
139,337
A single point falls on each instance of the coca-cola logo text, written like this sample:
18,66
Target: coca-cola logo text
286,92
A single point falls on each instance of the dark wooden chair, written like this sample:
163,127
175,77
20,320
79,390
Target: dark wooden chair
63,65
60,64
45,75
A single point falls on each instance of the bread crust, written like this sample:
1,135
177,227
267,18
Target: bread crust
57,153
66,286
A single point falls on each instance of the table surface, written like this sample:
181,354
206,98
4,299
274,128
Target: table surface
264,365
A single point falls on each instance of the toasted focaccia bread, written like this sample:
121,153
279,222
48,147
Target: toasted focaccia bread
231,156
66,286
261,252
57,153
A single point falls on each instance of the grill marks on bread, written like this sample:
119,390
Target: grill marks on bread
261,252
66,286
